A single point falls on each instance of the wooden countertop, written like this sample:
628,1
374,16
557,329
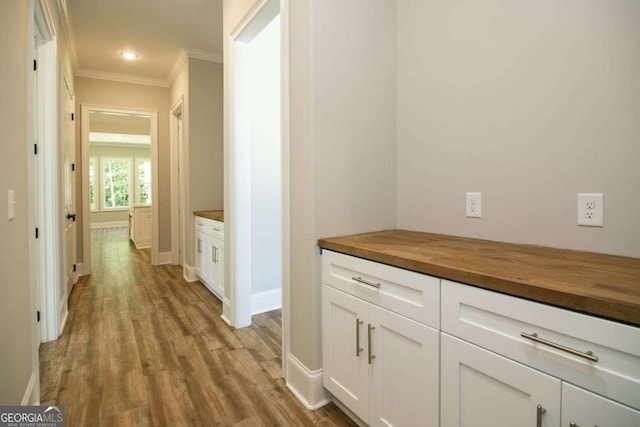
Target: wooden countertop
597,284
215,215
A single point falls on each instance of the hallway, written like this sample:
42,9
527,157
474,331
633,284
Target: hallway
143,347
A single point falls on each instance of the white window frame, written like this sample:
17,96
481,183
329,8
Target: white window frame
129,161
136,180
96,183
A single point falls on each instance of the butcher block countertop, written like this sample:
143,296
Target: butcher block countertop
215,215
602,285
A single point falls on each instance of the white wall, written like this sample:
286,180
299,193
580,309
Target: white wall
266,200
529,102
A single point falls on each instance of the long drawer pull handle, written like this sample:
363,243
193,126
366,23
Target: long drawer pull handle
366,282
534,337
358,349
539,412
371,356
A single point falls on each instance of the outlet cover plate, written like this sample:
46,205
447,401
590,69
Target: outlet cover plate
590,210
474,205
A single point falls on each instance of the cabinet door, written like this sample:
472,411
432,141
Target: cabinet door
481,388
344,349
216,261
203,251
581,408
405,371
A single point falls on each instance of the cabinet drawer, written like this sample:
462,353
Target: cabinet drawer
210,226
497,322
416,296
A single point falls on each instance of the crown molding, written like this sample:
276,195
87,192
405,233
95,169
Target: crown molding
204,55
122,78
67,30
187,53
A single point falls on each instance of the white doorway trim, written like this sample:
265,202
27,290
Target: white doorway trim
178,226
86,231
53,304
237,211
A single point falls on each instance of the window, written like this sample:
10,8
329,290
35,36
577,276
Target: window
93,190
116,183
143,181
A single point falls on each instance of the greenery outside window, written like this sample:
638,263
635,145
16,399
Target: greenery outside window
143,181
116,183
93,190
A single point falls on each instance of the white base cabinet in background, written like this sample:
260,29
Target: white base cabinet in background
140,226
581,408
210,254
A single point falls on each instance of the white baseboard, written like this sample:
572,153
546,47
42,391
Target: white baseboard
142,244
226,308
306,385
266,301
30,395
164,258
80,269
109,224
64,322
189,273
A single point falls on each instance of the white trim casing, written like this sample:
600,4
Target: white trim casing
306,384
80,269
67,30
262,302
30,396
86,234
108,224
177,160
189,273
164,258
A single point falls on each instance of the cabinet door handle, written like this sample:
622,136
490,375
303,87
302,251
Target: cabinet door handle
358,349
369,329
361,280
215,250
199,246
213,254
539,412
534,337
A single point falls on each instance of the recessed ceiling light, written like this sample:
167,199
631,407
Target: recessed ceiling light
129,56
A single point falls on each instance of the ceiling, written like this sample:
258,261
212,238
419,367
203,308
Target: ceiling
157,30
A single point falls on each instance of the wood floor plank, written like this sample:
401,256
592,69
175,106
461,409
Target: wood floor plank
143,347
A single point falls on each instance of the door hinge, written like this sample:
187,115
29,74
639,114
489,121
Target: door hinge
74,267
36,232
73,116
73,166
35,65
38,315
35,149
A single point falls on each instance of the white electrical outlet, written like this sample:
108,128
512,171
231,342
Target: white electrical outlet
474,205
590,209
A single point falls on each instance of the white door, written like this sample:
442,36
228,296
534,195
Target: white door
68,176
581,408
405,371
345,350
481,388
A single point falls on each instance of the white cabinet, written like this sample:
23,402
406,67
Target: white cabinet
210,254
140,226
581,408
481,388
382,365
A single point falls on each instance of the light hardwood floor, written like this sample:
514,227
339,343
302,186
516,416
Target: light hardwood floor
143,347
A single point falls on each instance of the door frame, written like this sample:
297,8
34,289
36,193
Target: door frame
53,306
232,263
86,214
178,195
